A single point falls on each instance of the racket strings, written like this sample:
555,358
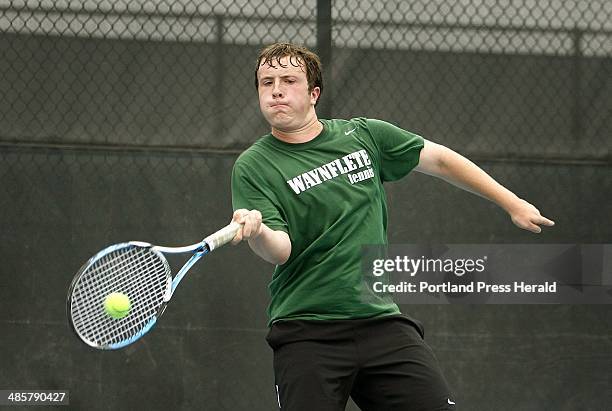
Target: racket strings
96,317
138,272
96,323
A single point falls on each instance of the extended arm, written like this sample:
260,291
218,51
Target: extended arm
442,162
274,246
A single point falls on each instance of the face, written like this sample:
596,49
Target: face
284,99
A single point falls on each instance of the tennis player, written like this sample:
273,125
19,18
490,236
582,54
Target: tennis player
310,194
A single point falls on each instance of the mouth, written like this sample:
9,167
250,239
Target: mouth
278,105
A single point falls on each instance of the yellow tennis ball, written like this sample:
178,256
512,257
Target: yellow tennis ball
117,305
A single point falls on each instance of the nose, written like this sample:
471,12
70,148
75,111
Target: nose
276,91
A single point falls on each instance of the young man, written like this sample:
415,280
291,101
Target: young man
309,194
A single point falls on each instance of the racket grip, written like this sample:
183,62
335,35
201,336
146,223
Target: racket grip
223,236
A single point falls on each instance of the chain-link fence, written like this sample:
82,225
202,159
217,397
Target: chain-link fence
120,120
527,79
498,79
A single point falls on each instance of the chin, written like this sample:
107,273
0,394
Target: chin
280,123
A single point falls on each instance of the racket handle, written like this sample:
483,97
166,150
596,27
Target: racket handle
223,236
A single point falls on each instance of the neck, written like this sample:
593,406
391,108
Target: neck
302,135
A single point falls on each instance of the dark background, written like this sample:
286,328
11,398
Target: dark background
121,121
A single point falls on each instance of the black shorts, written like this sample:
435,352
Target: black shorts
383,363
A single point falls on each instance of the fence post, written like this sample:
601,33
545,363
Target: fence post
324,45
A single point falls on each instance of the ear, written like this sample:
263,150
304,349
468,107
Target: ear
314,95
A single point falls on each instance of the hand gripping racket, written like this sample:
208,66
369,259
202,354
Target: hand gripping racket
141,272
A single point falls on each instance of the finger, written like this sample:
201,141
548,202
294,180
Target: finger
256,217
247,228
256,214
545,221
237,237
533,228
254,223
239,215
541,220
527,224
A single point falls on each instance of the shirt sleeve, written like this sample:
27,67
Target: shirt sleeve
251,194
399,149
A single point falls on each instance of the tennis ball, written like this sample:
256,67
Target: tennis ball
117,305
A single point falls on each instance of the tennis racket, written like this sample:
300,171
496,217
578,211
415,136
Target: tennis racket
141,272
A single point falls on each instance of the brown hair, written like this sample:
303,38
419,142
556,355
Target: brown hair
298,56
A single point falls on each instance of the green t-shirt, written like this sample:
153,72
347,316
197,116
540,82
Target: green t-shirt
327,194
